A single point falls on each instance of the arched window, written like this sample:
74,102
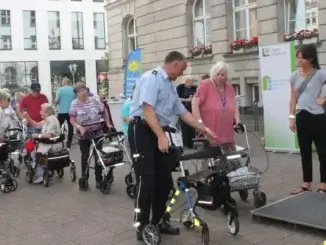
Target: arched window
131,35
202,23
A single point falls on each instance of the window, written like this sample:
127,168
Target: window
300,14
236,88
54,31
5,17
77,30
131,35
17,76
245,19
99,31
255,92
5,30
29,25
202,23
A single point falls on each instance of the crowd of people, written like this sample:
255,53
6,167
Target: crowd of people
209,108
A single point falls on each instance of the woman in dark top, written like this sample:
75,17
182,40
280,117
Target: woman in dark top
186,92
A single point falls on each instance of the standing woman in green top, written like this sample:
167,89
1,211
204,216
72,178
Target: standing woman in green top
307,116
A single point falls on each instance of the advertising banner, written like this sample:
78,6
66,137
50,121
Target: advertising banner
277,62
133,70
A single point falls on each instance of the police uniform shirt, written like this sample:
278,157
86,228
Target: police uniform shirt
156,89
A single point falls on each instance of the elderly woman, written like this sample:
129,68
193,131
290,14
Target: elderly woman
9,112
87,115
186,92
50,127
214,105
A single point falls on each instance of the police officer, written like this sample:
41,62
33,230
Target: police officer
155,102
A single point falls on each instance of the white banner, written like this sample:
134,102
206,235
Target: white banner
277,62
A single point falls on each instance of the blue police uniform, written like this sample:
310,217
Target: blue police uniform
152,166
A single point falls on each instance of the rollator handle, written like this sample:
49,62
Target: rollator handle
14,130
114,134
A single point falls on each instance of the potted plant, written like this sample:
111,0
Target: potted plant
310,36
251,45
201,51
237,46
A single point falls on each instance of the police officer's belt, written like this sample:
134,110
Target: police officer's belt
141,121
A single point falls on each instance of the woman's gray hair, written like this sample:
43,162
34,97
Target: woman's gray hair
218,67
4,95
79,85
48,109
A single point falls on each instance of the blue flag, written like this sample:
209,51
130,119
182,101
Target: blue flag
133,70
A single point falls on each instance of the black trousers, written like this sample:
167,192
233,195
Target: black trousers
153,170
84,145
311,129
62,117
188,134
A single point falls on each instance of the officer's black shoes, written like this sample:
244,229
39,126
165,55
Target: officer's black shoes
166,228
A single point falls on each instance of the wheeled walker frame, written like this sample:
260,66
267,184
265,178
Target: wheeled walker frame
107,158
190,219
52,162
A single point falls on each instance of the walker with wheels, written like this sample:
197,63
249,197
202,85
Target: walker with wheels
213,191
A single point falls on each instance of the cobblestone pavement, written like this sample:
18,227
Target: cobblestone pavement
62,215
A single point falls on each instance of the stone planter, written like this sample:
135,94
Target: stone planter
238,51
252,49
312,40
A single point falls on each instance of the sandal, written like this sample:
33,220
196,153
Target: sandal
300,190
323,191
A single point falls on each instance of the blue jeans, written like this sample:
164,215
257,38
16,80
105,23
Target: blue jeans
39,168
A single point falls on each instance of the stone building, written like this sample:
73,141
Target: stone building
159,26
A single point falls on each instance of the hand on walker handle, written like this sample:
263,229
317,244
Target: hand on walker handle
163,143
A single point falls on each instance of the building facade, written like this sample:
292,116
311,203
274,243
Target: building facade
44,41
159,26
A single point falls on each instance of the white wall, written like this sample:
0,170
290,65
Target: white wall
43,55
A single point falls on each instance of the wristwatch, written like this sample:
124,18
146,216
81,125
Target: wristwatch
291,116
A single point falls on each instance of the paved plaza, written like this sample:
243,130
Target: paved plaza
63,215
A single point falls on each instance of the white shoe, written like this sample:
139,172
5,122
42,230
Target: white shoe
39,180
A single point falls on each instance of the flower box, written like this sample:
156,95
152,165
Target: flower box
237,51
201,51
252,49
312,40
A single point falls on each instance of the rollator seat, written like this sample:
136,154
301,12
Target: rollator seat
56,160
51,141
201,176
111,155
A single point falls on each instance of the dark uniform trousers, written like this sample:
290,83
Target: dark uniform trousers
153,171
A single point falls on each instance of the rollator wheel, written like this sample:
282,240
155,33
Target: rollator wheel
15,171
46,178
83,184
151,235
128,179
50,173
60,173
105,187
131,191
233,224
205,235
260,199
14,185
29,175
243,195
73,173
4,186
